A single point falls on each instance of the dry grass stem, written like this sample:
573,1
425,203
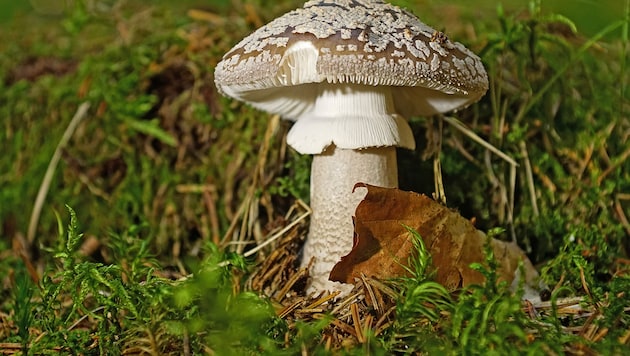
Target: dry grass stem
530,178
50,171
469,133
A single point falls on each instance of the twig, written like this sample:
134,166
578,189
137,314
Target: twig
50,171
323,299
463,129
618,162
76,323
301,273
278,234
512,201
621,215
530,178
275,236
356,321
437,168
209,197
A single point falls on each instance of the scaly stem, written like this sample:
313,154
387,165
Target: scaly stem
333,176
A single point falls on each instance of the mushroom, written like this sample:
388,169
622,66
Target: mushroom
348,72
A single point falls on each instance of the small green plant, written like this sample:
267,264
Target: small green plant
586,258
422,297
117,297
421,304
229,322
489,318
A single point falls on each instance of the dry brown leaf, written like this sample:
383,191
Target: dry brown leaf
382,245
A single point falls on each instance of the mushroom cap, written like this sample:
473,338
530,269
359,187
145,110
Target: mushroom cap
367,42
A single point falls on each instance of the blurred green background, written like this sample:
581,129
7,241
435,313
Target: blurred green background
590,16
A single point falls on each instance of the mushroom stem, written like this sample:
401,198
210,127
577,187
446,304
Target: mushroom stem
333,176
352,130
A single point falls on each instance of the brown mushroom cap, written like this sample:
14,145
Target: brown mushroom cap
367,42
